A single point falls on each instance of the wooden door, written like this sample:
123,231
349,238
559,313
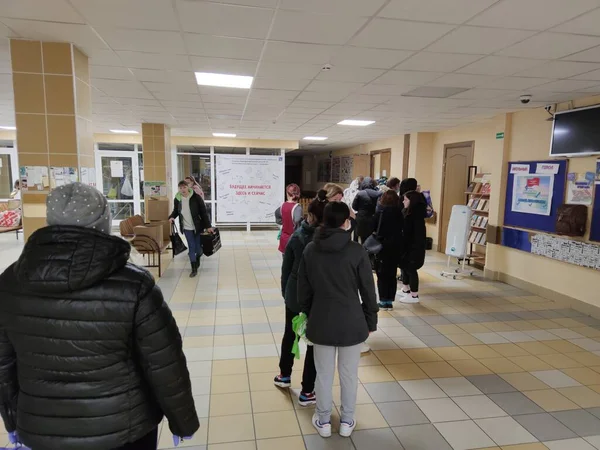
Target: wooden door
457,159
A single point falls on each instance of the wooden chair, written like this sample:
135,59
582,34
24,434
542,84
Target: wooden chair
149,239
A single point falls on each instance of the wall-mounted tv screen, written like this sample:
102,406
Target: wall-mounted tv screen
576,132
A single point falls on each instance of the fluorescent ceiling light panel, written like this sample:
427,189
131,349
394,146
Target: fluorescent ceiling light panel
124,131
8,128
224,80
315,138
356,123
229,135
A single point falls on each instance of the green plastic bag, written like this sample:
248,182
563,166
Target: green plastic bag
279,235
299,326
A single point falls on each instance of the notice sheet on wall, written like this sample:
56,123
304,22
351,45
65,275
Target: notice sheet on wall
34,178
249,188
532,194
61,176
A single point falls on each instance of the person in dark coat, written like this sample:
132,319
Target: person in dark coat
332,273
365,204
289,289
413,248
389,222
408,184
90,354
193,220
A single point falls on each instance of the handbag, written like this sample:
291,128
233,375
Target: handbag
373,244
176,241
211,242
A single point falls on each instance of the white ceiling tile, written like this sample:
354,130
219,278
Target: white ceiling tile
224,20
143,40
585,24
480,94
551,46
326,96
592,76
141,14
437,62
186,87
337,7
499,65
291,84
478,40
291,70
223,47
460,80
402,35
162,76
222,65
294,26
444,11
52,11
591,55
369,57
298,53
567,85
115,73
142,60
559,69
81,35
532,14
515,83
385,89
102,56
339,73
212,90
408,77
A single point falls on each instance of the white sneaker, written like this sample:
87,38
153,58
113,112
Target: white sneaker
324,429
365,348
409,299
346,429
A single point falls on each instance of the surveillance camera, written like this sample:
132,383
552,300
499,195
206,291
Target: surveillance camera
525,99
326,67
548,108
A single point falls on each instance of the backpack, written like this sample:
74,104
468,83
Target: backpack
571,220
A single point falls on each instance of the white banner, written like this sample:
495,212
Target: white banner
547,168
519,168
249,188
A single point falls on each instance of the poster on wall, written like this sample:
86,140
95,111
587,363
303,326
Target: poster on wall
88,176
324,171
347,164
61,176
532,194
34,178
155,189
579,191
336,168
249,188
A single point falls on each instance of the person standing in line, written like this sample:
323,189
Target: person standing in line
16,193
193,184
289,289
332,273
349,196
90,354
389,223
408,184
365,204
393,184
193,220
289,215
414,237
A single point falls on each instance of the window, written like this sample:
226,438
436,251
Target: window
197,166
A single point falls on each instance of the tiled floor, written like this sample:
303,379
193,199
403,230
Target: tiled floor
477,365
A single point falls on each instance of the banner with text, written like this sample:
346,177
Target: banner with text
249,188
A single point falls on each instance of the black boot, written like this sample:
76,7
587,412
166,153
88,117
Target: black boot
198,256
194,270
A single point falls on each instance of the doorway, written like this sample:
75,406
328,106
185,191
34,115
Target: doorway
381,163
9,171
457,159
120,180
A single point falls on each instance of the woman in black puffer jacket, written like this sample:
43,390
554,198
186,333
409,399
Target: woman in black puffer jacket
90,354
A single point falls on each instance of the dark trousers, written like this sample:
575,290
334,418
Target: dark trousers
148,442
410,277
194,241
286,362
386,268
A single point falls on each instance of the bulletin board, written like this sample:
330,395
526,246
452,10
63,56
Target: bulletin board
545,223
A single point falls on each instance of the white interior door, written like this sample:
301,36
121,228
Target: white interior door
118,177
9,171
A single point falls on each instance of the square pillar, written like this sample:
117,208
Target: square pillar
53,108
156,147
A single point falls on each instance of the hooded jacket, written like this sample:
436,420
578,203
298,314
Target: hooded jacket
332,273
90,354
365,201
291,262
414,235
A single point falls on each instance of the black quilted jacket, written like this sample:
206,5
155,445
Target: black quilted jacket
90,355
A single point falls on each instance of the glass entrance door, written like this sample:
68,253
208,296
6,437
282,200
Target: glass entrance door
9,171
119,180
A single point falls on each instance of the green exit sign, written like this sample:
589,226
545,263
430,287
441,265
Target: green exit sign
500,135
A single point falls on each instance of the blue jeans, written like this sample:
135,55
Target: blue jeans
194,241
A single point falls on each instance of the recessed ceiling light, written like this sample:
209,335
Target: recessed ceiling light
224,80
230,135
315,138
124,131
356,123
8,128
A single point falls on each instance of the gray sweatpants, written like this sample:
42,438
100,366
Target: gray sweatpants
348,359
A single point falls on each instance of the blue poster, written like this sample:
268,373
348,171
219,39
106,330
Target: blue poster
532,194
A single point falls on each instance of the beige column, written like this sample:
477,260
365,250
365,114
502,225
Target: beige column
52,92
156,145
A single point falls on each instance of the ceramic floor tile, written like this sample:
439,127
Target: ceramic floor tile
362,396
491,384
386,392
392,356
551,400
583,375
515,403
369,417
464,435
505,431
228,353
423,355
422,389
560,361
275,400
570,444
230,404
276,424
288,443
581,422
508,350
481,351
457,386
404,372
582,396
479,407
501,365
333,443
382,439
470,367
555,379
374,374
440,369
402,413
421,437
594,440
229,367
545,427
221,431
524,381
441,410
229,384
